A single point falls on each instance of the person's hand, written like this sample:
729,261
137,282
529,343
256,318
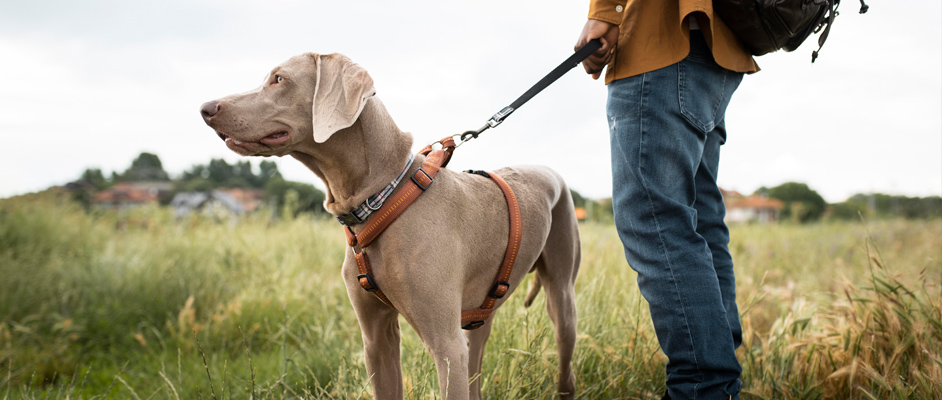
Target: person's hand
608,34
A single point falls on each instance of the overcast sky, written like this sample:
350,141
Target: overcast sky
94,83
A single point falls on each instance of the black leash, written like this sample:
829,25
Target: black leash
547,80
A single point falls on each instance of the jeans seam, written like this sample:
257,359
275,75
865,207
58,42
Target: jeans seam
681,83
657,225
704,127
719,101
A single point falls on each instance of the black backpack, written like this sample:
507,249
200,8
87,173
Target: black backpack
765,26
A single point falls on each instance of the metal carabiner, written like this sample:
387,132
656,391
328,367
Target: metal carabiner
468,135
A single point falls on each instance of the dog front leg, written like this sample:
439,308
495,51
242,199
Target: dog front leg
477,339
450,352
379,328
380,332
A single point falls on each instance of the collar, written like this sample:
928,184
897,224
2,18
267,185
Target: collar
374,202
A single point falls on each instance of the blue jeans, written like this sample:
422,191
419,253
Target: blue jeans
666,129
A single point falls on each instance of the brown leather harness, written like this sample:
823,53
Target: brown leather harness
408,193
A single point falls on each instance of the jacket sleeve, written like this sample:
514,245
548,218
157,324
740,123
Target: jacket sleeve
610,11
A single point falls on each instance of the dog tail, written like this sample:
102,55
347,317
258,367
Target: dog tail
534,290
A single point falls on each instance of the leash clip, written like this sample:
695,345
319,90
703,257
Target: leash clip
499,117
468,135
495,120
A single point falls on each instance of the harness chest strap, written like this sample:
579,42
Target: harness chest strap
421,180
473,319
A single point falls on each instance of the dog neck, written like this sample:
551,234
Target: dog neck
357,162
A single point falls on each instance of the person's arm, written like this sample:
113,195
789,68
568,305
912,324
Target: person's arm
604,17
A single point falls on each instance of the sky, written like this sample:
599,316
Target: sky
93,83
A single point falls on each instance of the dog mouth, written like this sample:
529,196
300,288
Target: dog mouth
272,139
276,138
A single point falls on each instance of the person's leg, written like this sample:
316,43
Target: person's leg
659,134
710,225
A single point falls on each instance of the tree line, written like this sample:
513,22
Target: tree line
217,174
800,203
803,204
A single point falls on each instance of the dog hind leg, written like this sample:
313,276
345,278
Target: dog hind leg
534,290
558,266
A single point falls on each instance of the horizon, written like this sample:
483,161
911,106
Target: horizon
172,177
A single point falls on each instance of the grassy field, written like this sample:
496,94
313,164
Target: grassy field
142,306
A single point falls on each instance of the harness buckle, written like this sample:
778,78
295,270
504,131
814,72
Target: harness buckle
499,290
428,179
349,219
369,281
473,325
478,172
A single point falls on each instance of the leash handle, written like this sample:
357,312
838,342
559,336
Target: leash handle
584,52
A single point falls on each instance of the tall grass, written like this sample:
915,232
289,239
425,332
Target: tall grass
141,305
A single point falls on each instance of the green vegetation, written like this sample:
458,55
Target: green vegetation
219,173
137,305
879,205
146,167
599,211
803,204
299,197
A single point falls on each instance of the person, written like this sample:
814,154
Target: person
672,67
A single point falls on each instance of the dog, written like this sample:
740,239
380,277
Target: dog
441,255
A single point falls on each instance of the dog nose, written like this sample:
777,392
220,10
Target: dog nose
209,109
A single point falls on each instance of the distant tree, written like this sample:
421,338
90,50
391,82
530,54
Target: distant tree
801,204
596,210
195,184
220,173
290,206
268,171
846,210
882,205
146,167
242,173
309,198
603,210
94,177
236,182
577,199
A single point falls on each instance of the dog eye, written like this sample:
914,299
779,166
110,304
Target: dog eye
278,79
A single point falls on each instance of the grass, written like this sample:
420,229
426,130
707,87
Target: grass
139,305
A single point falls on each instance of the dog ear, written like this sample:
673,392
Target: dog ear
341,90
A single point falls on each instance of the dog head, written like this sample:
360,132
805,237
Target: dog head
308,97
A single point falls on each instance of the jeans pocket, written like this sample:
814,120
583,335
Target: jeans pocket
704,90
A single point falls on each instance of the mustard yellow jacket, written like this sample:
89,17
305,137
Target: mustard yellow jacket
655,33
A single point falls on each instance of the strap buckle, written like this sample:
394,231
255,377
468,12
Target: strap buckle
499,290
349,219
424,187
473,325
478,172
369,281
